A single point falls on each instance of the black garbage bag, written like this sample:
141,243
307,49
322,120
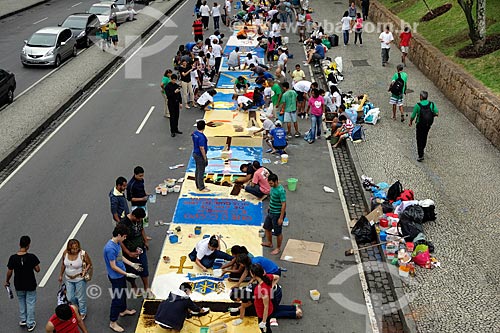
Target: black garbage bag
429,213
394,191
387,207
413,213
363,231
409,229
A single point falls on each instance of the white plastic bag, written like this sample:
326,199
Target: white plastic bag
372,116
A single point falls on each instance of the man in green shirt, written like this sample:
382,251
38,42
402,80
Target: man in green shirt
275,97
397,97
289,100
423,114
113,32
276,214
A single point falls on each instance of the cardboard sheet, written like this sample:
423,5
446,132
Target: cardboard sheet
229,123
302,252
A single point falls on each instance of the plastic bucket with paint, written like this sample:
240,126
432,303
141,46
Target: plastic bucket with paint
177,188
314,294
292,183
197,230
173,239
164,191
284,158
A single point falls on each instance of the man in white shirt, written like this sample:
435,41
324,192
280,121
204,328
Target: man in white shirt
303,88
386,39
217,53
282,59
205,14
227,9
207,99
251,59
234,59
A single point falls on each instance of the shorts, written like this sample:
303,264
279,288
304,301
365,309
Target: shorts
143,260
300,96
114,38
405,49
290,117
396,100
271,223
316,56
278,147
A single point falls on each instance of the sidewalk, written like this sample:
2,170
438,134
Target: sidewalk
461,173
11,7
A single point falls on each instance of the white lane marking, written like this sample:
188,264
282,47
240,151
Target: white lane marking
361,272
45,76
76,4
145,120
37,149
61,251
40,20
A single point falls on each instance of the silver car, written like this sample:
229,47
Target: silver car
49,47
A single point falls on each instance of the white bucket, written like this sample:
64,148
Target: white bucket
285,40
177,188
170,189
284,158
314,294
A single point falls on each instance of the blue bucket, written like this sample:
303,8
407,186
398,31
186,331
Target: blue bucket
173,239
197,230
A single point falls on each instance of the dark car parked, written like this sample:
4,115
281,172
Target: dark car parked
84,27
7,86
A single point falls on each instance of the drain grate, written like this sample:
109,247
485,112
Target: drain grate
360,63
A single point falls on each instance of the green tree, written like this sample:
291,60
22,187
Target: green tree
475,13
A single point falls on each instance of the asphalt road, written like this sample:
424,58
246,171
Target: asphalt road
72,174
17,28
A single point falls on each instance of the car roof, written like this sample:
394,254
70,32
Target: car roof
81,14
50,30
103,4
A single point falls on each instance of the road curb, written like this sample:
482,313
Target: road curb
79,92
23,9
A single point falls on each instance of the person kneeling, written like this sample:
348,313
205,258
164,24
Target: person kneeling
173,311
277,139
206,99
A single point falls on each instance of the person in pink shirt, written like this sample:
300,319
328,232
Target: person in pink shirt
316,108
259,186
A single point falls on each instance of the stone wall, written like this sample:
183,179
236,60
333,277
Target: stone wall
470,96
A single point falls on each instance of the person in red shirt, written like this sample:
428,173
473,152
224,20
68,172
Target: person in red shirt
198,29
404,43
263,297
66,320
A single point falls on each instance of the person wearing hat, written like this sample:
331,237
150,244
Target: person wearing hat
277,139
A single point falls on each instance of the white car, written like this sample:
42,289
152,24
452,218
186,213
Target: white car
107,10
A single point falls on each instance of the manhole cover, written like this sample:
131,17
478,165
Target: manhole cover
359,63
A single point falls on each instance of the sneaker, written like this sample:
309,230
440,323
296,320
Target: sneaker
289,136
237,322
32,327
22,323
420,159
269,150
297,135
273,322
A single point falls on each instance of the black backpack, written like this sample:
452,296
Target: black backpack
394,191
426,114
397,86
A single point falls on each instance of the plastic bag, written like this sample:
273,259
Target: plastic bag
363,231
414,213
421,256
379,194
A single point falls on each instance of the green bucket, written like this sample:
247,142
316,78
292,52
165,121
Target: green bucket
292,184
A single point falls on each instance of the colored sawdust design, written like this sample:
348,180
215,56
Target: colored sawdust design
206,286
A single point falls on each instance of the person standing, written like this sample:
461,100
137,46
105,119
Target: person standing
227,10
174,97
200,149
423,114
398,90
205,14
346,26
216,15
301,25
289,101
358,29
135,248
276,214
282,59
187,88
136,193
365,6
297,75
316,105
352,14
198,29
386,38
217,53
115,267
72,267
118,202
276,93
404,43
66,319
113,32
164,81
24,265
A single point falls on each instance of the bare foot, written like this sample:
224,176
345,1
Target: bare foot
149,238
275,251
127,313
205,190
115,327
267,244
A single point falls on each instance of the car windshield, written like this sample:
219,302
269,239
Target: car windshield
74,22
43,40
100,10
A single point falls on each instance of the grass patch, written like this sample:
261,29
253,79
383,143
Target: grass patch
449,33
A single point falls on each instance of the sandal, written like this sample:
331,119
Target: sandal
402,118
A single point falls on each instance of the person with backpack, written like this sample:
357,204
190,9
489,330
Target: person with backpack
423,114
398,90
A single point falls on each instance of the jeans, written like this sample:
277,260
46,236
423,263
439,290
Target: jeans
255,190
285,311
119,297
76,292
216,22
204,20
385,55
357,34
208,261
422,132
27,300
346,36
316,123
199,174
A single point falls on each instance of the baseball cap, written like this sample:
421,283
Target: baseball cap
277,122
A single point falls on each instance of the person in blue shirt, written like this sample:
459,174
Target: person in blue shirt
244,261
200,149
318,53
278,139
117,274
